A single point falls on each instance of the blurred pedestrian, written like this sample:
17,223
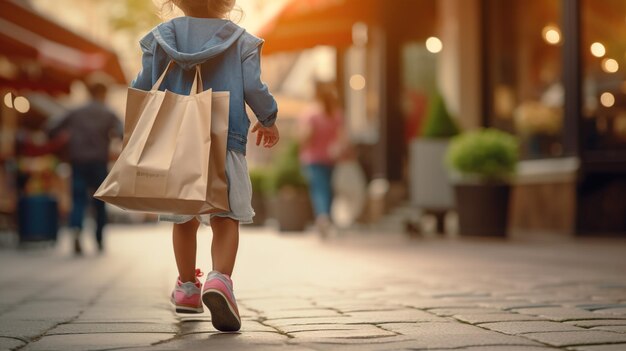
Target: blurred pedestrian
321,145
229,60
89,130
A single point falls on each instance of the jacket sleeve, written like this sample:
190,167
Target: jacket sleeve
143,80
256,93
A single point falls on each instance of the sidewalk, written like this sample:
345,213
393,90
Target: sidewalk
296,292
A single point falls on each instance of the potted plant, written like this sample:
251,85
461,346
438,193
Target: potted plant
259,180
485,160
291,205
430,187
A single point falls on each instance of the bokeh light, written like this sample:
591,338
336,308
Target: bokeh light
357,82
434,45
607,99
598,50
551,34
8,100
610,65
22,105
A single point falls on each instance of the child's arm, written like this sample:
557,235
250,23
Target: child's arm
269,135
143,80
256,93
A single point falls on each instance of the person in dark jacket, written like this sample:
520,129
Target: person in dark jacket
89,130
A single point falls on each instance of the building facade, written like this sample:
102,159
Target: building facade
551,72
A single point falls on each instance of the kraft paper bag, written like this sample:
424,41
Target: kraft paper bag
174,154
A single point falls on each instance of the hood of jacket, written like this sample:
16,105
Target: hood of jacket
191,41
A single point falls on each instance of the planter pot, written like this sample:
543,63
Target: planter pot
429,182
430,187
292,209
483,209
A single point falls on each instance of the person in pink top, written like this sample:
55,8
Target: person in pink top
321,145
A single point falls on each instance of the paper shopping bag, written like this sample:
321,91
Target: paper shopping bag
174,154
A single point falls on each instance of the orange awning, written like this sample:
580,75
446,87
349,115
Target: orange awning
53,55
304,24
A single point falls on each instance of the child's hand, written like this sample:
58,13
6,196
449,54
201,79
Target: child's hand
268,135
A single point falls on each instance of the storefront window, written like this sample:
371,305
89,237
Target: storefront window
525,94
604,78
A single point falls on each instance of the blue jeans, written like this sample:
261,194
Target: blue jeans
320,187
86,178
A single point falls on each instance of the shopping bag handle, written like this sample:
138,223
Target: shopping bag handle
196,87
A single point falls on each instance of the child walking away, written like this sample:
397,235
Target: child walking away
229,60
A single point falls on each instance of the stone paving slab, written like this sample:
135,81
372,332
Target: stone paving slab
205,326
10,343
357,305
431,303
621,311
449,312
502,348
588,337
363,331
519,328
511,305
99,328
89,342
406,315
279,304
562,314
313,327
454,335
128,314
495,317
597,322
279,323
614,328
397,344
25,330
44,311
263,341
305,313
598,306
615,347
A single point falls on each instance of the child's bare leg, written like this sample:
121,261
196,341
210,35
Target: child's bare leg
225,244
184,237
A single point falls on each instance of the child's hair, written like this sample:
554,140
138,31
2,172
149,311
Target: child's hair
215,8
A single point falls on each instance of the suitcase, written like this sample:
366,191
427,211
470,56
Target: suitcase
38,218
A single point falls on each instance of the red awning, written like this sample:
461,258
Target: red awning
304,24
48,55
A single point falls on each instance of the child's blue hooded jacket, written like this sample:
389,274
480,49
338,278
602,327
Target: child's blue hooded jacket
230,61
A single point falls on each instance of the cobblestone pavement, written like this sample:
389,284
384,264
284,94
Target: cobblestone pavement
296,292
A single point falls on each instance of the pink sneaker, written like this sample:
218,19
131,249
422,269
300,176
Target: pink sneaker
186,296
218,297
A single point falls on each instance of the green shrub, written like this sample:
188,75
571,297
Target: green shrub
259,178
489,154
287,171
438,122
